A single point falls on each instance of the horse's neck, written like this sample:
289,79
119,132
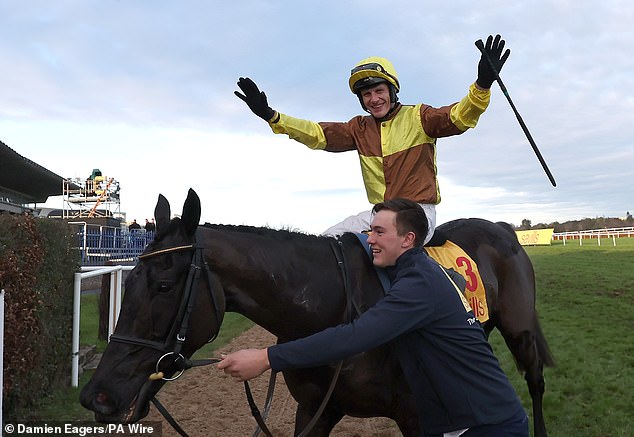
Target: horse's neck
288,284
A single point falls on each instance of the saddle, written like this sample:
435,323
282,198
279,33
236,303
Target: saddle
459,266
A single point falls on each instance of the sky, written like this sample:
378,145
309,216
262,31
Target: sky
143,90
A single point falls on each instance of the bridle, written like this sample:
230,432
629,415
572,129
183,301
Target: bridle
177,335
175,340
173,344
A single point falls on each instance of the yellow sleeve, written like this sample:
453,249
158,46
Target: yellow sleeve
306,132
466,113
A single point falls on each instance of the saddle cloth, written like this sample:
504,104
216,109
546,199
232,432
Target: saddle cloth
450,256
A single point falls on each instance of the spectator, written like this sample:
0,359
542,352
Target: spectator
150,226
134,226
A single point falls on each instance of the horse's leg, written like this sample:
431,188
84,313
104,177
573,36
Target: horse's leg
517,321
524,350
326,422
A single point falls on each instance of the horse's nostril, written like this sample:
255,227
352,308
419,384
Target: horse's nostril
102,404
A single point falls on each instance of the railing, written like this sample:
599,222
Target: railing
116,276
103,245
598,234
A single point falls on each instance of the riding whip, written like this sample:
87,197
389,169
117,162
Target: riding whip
480,45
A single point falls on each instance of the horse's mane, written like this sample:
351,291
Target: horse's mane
270,233
276,234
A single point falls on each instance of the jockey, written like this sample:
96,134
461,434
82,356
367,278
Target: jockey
396,143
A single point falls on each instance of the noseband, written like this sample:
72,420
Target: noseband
173,344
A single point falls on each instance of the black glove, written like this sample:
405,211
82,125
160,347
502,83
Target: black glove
254,98
492,49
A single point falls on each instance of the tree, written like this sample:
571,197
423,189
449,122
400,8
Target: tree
526,224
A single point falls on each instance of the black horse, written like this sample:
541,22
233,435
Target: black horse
291,284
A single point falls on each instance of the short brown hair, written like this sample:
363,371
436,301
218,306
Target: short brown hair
410,217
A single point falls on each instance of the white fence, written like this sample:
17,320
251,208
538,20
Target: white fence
595,234
116,275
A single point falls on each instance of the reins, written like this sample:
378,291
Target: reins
181,324
340,256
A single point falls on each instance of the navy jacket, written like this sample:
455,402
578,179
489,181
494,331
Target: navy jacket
449,364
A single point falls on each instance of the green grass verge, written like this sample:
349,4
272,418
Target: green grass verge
585,301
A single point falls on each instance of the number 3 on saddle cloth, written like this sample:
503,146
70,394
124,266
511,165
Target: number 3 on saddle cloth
453,259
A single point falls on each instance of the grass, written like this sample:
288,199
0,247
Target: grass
585,301
89,322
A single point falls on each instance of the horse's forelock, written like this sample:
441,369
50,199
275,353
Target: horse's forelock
171,228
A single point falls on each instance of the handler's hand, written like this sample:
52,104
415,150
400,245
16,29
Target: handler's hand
254,98
493,49
245,364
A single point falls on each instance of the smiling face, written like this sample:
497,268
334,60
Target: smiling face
377,99
387,245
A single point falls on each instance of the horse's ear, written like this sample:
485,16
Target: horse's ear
162,213
191,212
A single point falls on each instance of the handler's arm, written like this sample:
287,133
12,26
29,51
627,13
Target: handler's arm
404,309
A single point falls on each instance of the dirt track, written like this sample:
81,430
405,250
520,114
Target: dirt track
206,402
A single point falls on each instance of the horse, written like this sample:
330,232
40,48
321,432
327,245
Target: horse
292,285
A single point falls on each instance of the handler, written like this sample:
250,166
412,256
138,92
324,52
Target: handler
458,384
396,143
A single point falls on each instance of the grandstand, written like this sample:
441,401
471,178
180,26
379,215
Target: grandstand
23,183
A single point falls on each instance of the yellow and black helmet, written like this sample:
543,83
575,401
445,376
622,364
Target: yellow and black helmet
371,71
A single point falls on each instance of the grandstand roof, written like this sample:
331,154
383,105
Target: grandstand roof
31,181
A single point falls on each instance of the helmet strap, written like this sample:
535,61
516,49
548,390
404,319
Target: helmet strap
393,96
361,102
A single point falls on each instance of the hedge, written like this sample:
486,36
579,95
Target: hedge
37,263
